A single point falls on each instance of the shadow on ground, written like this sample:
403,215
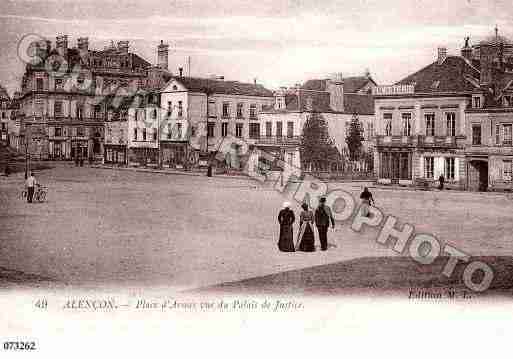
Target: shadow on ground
10,278
372,275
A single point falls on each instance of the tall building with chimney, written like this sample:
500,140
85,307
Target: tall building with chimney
451,118
66,97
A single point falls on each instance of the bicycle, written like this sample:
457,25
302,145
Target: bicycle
40,193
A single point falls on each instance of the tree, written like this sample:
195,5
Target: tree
354,138
316,146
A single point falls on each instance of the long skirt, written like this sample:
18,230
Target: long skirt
307,241
365,208
286,242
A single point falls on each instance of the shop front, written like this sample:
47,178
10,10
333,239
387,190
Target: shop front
115,154
177,155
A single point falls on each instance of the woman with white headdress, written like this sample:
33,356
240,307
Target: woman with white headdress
286,218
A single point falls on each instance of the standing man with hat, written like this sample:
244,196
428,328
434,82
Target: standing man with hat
323,217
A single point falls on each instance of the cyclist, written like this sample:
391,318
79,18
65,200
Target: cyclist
30,183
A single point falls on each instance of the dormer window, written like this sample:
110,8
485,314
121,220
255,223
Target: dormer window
280,103
476,102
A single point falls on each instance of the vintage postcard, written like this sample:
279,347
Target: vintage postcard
279,178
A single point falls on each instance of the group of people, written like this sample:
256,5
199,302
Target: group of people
322,218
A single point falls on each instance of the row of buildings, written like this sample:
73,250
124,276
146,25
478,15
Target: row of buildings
451,118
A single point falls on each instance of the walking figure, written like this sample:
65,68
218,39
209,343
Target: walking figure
323,217
441,181
286,218
367,201
30,183
305,240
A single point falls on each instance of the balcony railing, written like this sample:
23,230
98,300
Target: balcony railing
419,140
279,140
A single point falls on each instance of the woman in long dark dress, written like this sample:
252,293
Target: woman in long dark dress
367,201
286,218
306,239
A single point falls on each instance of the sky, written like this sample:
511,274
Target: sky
278,42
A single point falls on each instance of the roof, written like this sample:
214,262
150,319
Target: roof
320,101
196,84
454,74
361,104
351,84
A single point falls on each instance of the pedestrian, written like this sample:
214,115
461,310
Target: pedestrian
7,170
367,201
30,183
305,240
441,181
323,217
286,219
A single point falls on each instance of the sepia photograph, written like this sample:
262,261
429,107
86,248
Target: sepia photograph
275,178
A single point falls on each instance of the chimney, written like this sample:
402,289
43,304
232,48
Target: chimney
487,53
163,56
123,47
61,44
335,88
83,45
180,70
255,81
442,55
466,51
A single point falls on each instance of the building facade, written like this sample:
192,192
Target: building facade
337,100
64,98
5,116
197,114
451,118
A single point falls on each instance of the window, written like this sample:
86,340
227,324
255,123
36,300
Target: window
121,135
506,130
449,168
58,131
154,134
290,158
450,118
79,111
290,129
406,124
226,109
268,129
387,119
180,109
154,113
59,84
279,129
39,84
80,131
212,110
3,114
497,134
144,134
506,171
253,111
169,131
169,108
58,108
210,129
3,126
254,130
476,135
179,130
238,129
224,129
280,103
239,110
135,134
477,102
430,124
429,166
